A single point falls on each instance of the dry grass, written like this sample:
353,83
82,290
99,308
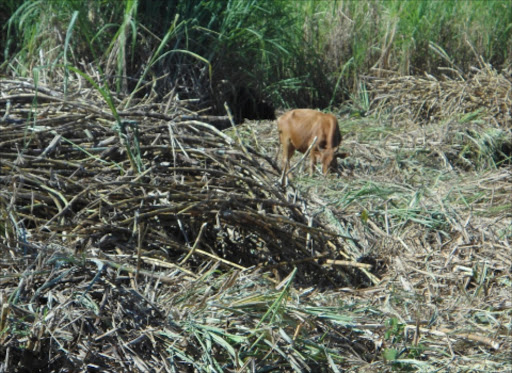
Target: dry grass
108,227
187,255
486,95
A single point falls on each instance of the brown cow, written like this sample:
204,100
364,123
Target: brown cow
298,129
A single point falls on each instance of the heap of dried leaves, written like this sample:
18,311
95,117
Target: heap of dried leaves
486,94
147,240
120,228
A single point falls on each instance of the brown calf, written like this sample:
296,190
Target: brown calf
298,129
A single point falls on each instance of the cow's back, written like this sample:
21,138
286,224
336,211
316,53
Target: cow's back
301,126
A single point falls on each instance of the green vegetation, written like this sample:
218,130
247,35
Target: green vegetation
306,53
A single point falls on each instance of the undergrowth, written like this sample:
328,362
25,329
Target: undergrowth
254,54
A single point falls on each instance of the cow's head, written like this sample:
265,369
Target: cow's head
329,160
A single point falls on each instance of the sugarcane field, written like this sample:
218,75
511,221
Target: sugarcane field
253,186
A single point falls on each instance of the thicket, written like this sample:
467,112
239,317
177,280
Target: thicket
254,54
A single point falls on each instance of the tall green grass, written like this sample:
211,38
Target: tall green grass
417,36
296,53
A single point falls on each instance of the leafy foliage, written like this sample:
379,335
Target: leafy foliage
308,53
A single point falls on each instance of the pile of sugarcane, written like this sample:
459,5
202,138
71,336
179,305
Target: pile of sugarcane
151,182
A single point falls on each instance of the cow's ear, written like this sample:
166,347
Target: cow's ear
341,155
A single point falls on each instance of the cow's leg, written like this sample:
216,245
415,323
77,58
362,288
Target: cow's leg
318,153
312,165
288,150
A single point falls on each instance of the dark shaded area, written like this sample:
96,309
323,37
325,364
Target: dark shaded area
247,104
7,8
503,155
